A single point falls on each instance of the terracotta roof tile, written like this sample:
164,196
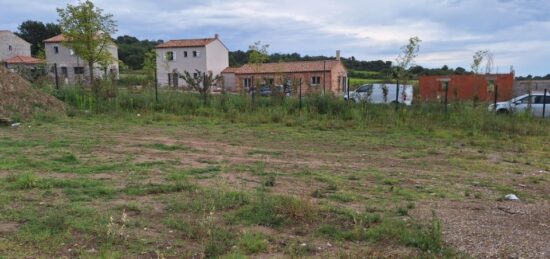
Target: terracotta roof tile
185,43
231,70
55,39
285,67
24,60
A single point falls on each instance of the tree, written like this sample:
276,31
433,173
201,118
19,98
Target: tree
35,32
406,59
150,65
87,32
257,54
201,82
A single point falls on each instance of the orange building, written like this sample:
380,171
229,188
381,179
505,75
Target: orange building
467,87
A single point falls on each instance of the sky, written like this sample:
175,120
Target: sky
517,32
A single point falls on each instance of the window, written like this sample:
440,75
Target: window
247,82
195,75
185,54
78,70
170,56
540,100
10,48
364,89
316,80
195,53
56,49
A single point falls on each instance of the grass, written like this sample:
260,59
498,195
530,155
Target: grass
250,176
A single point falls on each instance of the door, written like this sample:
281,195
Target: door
538,106
523,104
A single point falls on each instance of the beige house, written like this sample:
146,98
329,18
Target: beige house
176,56
309,76
72,68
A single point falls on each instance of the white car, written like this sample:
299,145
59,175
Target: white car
377,95
533,102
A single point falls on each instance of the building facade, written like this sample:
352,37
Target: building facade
524,86
467,87
11,46
174,57
329,76
72,68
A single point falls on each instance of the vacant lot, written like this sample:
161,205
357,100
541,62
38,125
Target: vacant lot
155,186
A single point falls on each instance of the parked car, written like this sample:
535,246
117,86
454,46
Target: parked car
265,90
377,95
277,89
533,102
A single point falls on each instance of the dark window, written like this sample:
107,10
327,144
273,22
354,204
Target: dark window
78,70
195,75
185,54
540,100
64,72
364,89
269,81
9,48
170,56
195,53
56,49
316,80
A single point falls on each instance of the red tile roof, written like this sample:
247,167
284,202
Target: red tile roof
24,60
285,67
55,39
185,43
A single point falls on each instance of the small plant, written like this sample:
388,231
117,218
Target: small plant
116,229
253,243
269,180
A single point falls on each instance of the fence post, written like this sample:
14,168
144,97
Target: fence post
446,95
56,76
544,103
397,97
496,94
300,93
156,87
347,88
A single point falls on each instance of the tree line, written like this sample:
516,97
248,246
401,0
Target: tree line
132,54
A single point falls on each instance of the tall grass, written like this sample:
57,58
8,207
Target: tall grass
316,111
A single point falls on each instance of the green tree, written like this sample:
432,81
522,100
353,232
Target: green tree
406,59
201,82
150,65
87,32
257,54
35,32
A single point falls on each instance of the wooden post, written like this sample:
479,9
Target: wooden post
300,93
324,76
397,97
446,95
156,88
544,103
347,87
496,94
56,76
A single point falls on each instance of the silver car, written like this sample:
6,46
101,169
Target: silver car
533,102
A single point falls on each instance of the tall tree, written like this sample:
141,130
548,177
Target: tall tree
35,32
406,59
257,54
87,32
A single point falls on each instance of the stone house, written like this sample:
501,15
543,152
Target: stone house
314,76
72,68
11,46
176,56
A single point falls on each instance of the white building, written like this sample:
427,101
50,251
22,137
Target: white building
176,56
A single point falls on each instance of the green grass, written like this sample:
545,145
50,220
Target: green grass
262,171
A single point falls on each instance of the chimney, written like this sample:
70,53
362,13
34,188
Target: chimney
217,36
338,55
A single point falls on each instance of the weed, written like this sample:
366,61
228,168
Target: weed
253,243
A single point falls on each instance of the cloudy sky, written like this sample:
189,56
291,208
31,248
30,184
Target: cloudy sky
516,31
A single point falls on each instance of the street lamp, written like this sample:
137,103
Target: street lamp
445,81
